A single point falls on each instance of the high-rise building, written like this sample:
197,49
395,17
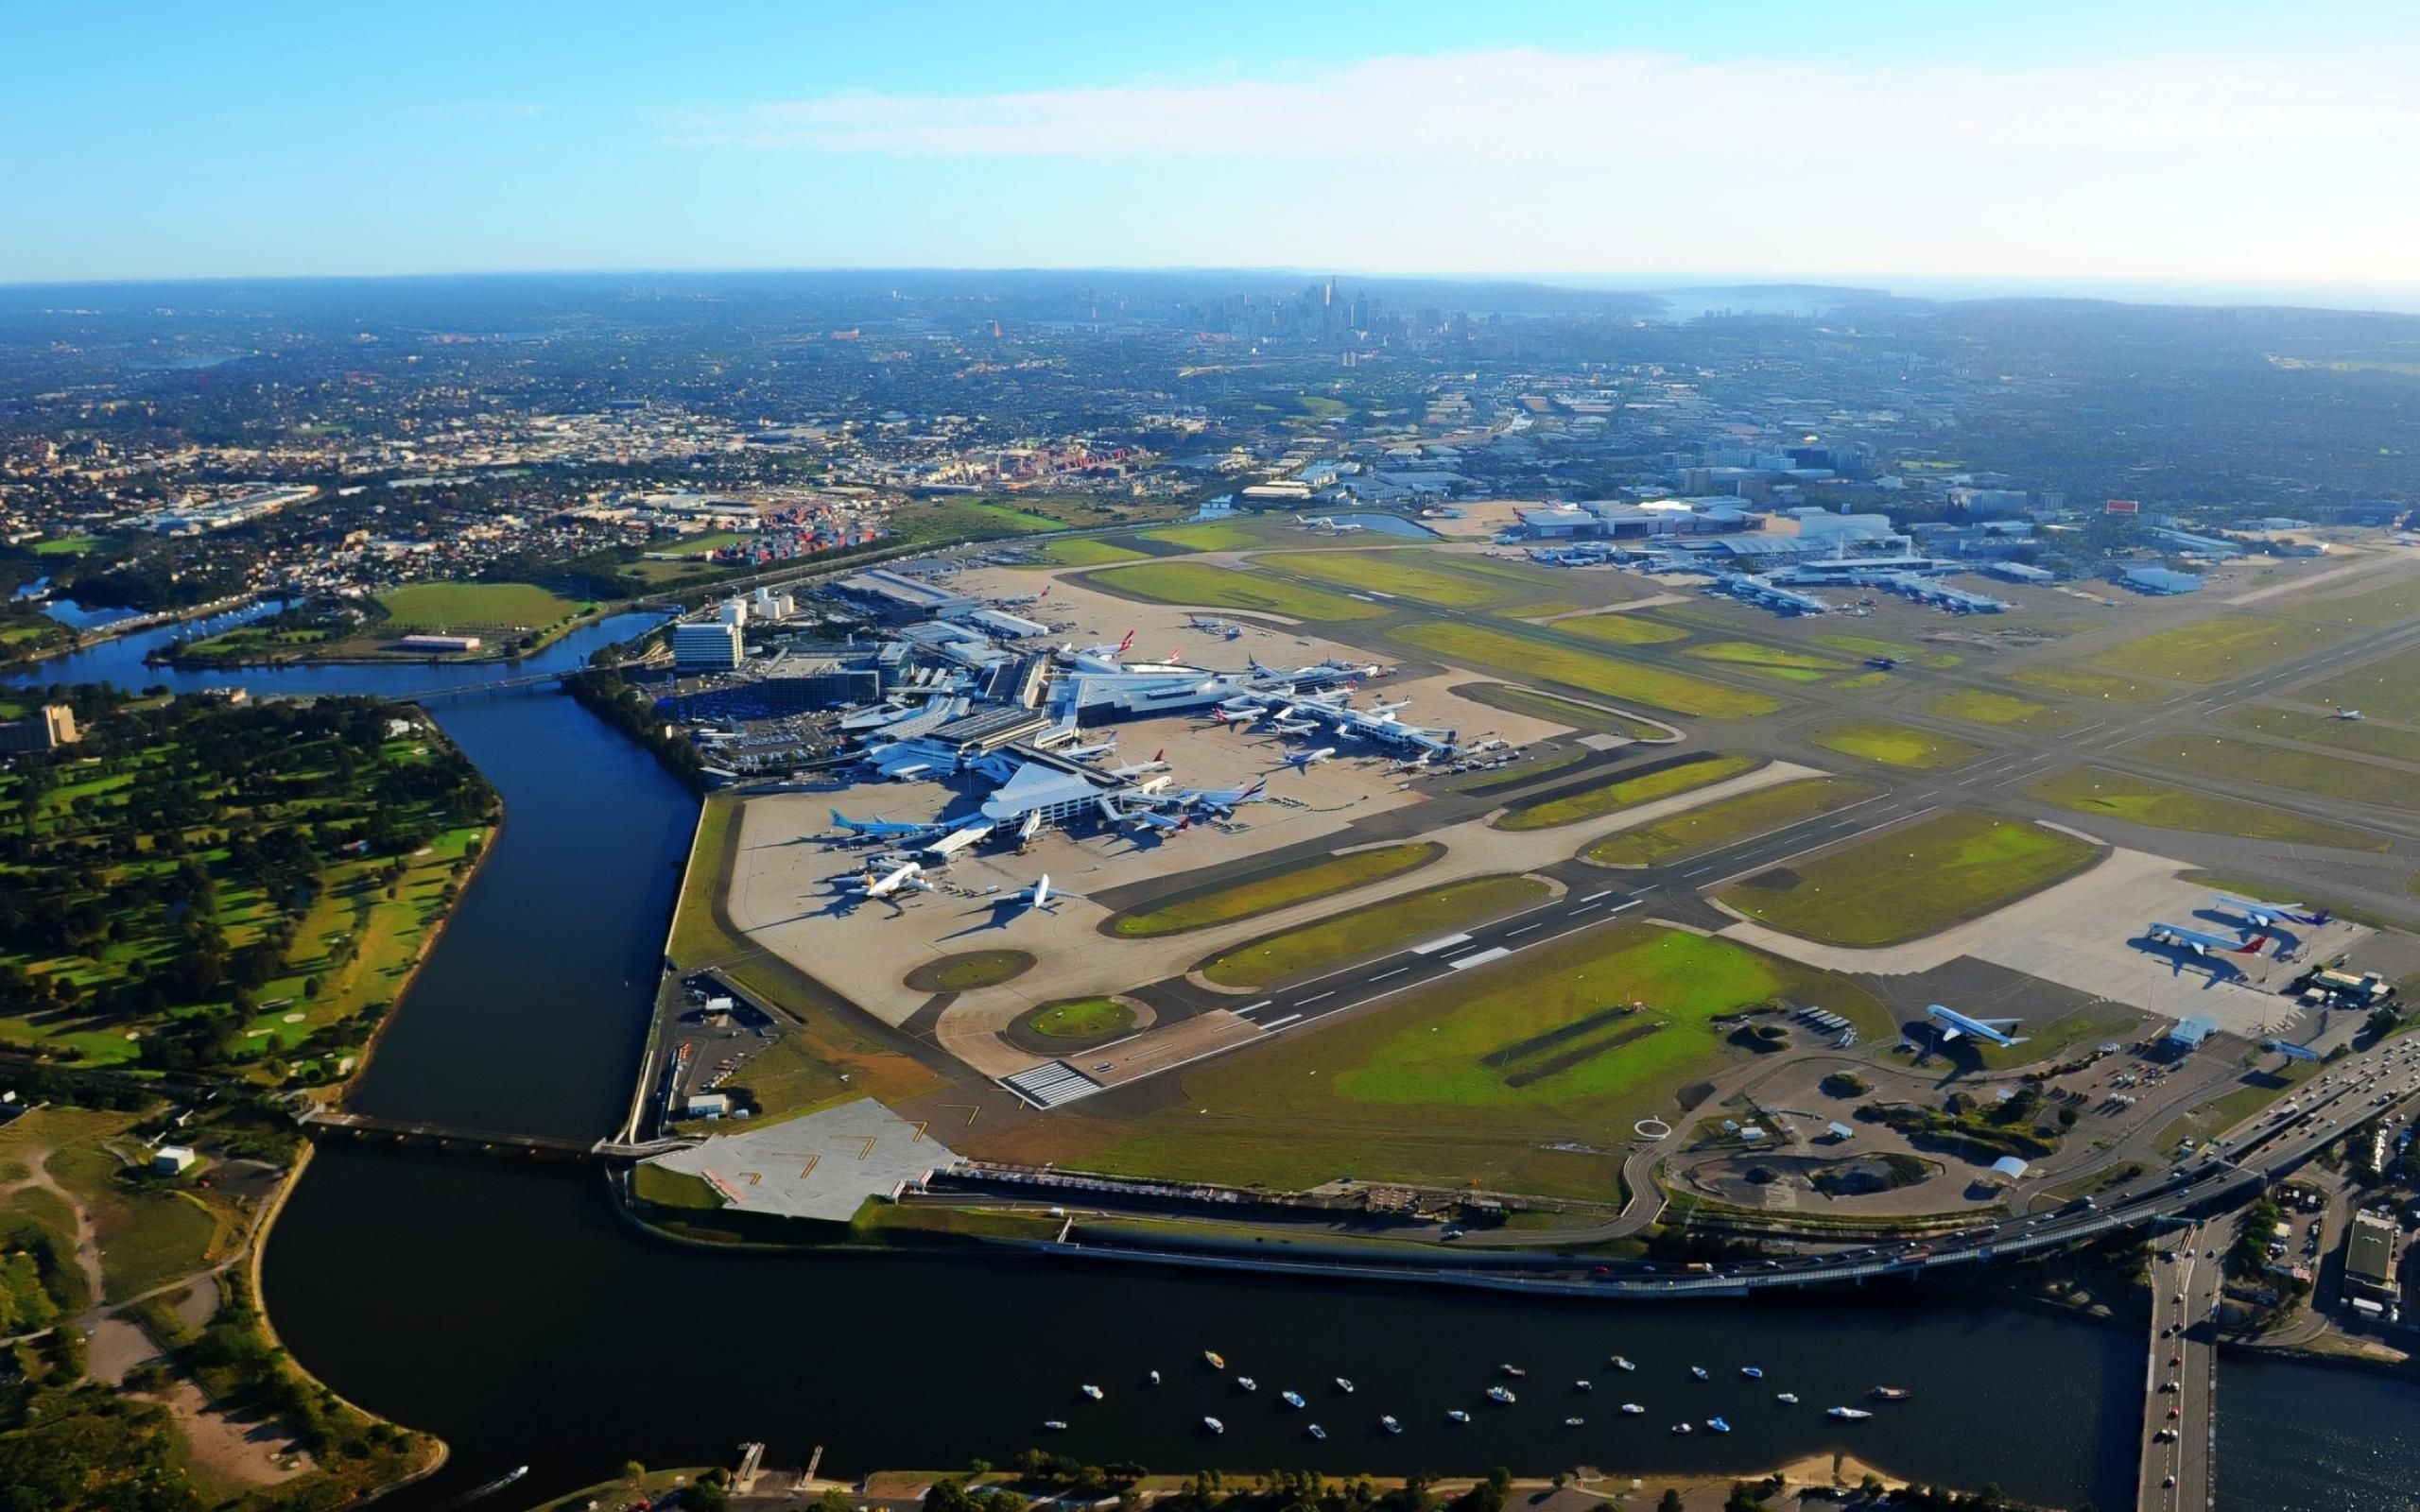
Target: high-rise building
714,646
46,729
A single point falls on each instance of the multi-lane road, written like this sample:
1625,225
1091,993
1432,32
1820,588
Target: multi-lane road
2181,1374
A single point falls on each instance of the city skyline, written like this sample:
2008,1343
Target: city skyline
2052,151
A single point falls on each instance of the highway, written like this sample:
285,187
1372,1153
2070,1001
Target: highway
2181,1373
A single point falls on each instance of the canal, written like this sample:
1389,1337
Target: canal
510,1310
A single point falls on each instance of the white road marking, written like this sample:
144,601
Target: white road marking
1594,896
1275,1024
1466,962
1397,971
1304,1003
1435,945
1523,930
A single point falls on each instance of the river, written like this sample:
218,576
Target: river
510,1310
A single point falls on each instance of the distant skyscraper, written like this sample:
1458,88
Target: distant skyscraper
1328,292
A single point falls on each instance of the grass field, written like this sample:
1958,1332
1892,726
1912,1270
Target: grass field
1082,1019
2294,771
2210,650
1404,573
1979,707
1619,792
2084,683
1320,877
2094,790
970,970
1525,1077
1910,881
1379,927
1200,583
2379,607
1891,745
1205,537
445,605
1082,550
1617,629
72,546
1771,661
1916,655
148,1234
2360,737
923,520
1518,655
2388,688
1738,817
1565,712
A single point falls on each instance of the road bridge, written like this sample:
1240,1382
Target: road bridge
324,1121
2181,1375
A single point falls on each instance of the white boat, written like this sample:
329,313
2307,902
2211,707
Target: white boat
1751,1372
1291,1399
1155,1377
1680,1428
1213,1425
1457,1415
1583,1385
1620,1364
1513,1370
1248,1382
1501,1397
1316,1432
1344,1385
1055,1425
1699,1372
1092,1391
1573,1422
1788,1399
1718,1425
1391,1425
1632,1409
1850,1414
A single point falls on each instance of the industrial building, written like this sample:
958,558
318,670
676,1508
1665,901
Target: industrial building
2160,581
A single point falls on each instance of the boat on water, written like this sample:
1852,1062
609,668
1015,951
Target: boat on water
1155,1377
1631,1409
1316,1432
1583,1385
1680,1428
1217,1360
1620,1364
1501,1397
1344,1385
1457,1415
1055,1425
518,1471
1513,1370
1751,1372
1291,1399
1213,1425
1847,1413
1091,1390
1892,1393
1718,1425
1573,1422
1788,1399
1699,1372
1248,1382
1390,1424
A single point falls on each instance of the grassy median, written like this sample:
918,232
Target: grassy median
1978,706
1211,586
1619,792
1910,882
1890,744
1738,817
2214,649
1380,927
1299,881
1397,572
1517,655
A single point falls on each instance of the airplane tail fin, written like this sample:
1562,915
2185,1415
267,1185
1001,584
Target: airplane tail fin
1160,754
2253,946
1125,642
2319,918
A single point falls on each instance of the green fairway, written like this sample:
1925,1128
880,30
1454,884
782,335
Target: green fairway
1522,1077
1082,550
1200,584
1891,745
1738,817
1772,661
1566,712
1618,791
2360,737
1516,655
1912,880
1976,706
1082,1019
2388,688
1403,574
1206,537
1298,882
445,606
71,545
2095,790
2294,771
2213,649
1374,929
1615,628
2083,683
1898,650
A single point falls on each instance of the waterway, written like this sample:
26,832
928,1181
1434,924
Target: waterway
507,1309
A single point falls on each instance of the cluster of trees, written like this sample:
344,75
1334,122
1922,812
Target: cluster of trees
1964,1126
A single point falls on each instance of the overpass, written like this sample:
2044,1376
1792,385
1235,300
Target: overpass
323,1121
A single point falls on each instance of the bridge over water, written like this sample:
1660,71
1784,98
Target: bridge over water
322,1121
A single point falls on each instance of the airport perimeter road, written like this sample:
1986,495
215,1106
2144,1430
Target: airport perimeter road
2181,1374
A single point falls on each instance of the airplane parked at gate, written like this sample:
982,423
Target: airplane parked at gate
2202,942
1950,1025
880,829
1086,753
909,877
1303,761
2261,916
1157,764
1222,800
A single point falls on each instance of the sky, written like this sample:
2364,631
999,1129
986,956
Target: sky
2220,144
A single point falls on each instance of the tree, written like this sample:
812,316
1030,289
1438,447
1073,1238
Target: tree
1670,1502
835,1500
634,1472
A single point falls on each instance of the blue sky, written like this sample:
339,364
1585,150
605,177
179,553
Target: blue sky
2216,142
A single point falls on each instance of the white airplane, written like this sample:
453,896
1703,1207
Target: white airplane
1157,764
2202,942
1040,894
1160,823
1086,753
1222,799
951,844
881,829
1950,1025
2348,713
1291,728
1387,710
2262,916
909,877
1303,761
1027,828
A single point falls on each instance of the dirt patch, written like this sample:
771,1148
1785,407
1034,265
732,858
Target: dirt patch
233,1450
116,1347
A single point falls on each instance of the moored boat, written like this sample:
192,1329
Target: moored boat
1892,1393
1501,1397
1213,1425
1620,1364
1751,1372
1788,1399
1091,1390
1848,1413
1457,1415
1344,1385
1316,1432
1217,1360
1291,1399
1631,1409
1718,1425
1390,1424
